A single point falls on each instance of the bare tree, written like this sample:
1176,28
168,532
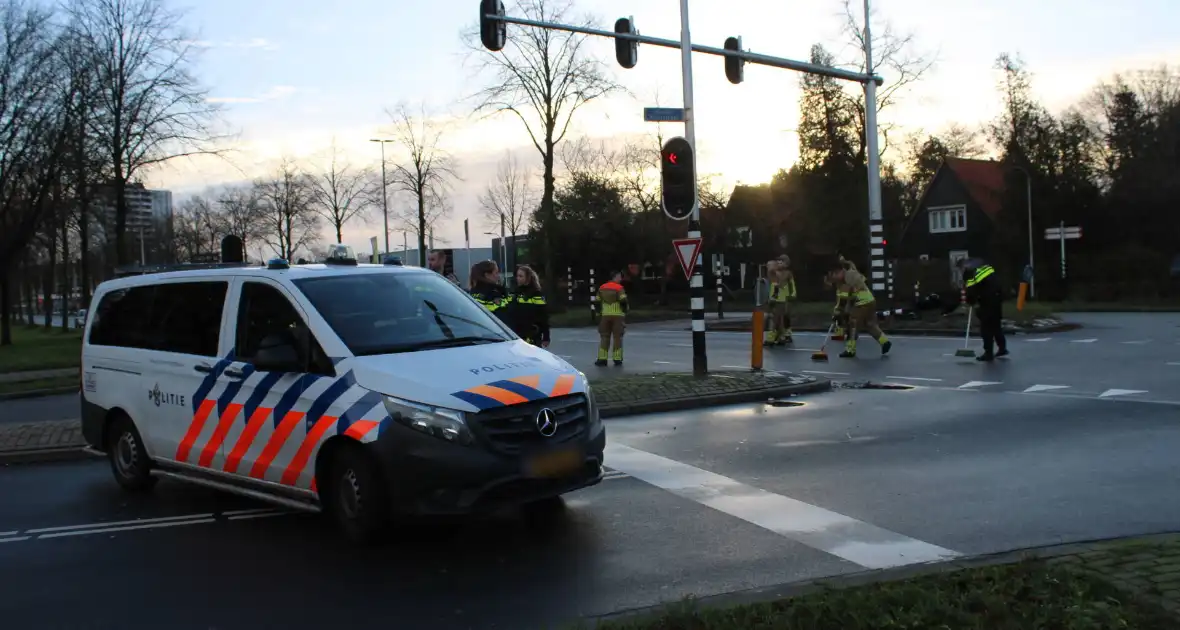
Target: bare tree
427,172
510,200
288,222
149,107
543,77
340,192
33,126
895,52
240,213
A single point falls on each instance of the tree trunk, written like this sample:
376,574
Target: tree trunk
122,254
421,228
67,282
549,219
49,277
339,233
29,290
5,308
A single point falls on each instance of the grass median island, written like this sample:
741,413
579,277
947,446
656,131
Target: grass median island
38,385
1029,595
41,349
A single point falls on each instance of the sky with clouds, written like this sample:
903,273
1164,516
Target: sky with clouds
294,75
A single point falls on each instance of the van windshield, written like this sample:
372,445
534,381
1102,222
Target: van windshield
385,313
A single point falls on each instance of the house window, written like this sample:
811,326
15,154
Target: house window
947,219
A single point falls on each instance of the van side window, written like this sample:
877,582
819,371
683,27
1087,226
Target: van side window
265,311
121,318
186,317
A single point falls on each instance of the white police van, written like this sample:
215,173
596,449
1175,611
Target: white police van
365,391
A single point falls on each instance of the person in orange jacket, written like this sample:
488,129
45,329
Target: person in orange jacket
612,308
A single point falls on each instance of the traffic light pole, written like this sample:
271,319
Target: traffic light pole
873,157
700,363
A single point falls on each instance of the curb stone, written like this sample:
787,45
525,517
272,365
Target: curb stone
37,446
38,393
767,594
743,326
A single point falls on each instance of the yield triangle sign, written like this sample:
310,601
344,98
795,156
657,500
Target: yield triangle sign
687,250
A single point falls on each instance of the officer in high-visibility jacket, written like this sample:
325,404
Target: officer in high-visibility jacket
612,308
484,285
528,316
985,294
782,290
861,308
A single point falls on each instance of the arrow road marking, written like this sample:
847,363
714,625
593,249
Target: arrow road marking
979,384
842,536
1121,392
1044,388
1083,341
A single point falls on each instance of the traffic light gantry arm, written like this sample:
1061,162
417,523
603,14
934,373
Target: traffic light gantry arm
749,57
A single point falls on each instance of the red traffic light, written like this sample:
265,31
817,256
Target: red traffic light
672,158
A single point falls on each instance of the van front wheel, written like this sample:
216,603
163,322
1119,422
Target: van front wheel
128,457
356,499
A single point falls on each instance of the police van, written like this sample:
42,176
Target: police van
363,391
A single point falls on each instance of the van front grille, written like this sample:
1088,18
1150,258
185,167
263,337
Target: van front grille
513,429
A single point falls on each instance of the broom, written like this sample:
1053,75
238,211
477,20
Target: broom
965,351
821,355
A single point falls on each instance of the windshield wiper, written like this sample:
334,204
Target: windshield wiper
438,315
433,344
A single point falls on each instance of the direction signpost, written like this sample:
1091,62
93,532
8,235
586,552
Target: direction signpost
663,114
1063,234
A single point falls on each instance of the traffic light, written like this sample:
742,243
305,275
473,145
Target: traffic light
678,178
626,50
735,68
493,33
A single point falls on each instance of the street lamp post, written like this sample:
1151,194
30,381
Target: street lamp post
1032,280
384,194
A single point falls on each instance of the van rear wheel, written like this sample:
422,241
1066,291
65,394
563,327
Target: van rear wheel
128,457
356,499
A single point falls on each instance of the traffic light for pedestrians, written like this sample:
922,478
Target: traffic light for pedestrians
735,68
493,33
626,50
678,178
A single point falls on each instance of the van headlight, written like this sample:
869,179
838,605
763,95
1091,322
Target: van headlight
592,409
445,424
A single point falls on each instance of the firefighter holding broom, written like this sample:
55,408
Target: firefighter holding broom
860,309
782,290
841,301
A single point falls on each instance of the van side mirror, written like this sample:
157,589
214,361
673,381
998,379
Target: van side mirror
277,353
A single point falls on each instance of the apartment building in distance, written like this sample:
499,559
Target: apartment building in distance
149,211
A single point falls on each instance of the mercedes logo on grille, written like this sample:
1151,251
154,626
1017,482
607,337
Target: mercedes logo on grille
546,422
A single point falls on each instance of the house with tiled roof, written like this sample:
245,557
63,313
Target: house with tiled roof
955,218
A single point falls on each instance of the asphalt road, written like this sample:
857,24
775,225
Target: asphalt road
701,503
1114,355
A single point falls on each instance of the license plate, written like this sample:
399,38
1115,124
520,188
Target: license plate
554,463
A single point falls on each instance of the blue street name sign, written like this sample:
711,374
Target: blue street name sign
663,114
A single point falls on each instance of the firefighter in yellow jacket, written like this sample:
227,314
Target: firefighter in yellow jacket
861,308
612,309
841,300
782,290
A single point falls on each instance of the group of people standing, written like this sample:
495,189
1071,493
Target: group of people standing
856,308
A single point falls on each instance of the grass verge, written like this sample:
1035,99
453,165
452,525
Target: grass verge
20,387
38,349
1020,596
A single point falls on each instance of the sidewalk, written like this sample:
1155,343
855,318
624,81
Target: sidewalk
616,396
1148,567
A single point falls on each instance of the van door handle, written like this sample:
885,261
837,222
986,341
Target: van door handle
234,373
205,369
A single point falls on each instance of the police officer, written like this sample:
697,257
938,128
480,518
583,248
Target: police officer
984,293
528,316
612,308
484,285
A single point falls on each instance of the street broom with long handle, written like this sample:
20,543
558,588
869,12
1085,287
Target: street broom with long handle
821,355
965,351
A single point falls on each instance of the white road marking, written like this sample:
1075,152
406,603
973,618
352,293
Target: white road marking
1136,343
162,519
242,517
827,373
916,378
663,362
1121,392
736,367
842,536
1083,340
232,513
12,533
1038,340
681,345
1173,362
800,443
565,356
17,539
971,384
105,530
1044,388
